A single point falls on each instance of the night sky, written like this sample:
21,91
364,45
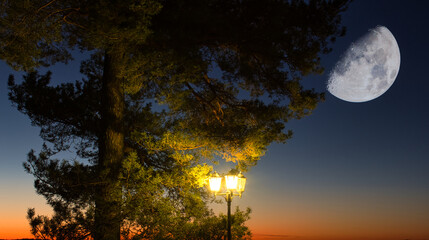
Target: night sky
351,170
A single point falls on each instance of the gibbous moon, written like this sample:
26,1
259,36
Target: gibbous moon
368,68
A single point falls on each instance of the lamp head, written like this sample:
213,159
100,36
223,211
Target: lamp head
231,182
241,183
215,182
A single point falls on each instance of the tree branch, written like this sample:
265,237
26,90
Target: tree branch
42,7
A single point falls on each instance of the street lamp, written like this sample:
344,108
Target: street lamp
234,186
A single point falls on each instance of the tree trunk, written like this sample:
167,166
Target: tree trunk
111,144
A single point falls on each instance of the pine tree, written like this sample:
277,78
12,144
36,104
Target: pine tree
163,52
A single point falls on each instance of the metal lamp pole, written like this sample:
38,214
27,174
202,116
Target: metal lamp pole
228,201
234,187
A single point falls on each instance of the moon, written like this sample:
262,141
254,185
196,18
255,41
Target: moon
368,68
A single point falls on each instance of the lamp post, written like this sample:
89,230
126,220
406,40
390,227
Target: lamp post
234,186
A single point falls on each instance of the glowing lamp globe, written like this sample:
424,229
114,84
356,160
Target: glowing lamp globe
241,183
231,182
215,182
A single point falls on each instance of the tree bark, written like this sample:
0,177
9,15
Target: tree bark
111,144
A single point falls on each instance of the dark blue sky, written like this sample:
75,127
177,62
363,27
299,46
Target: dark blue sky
350,169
